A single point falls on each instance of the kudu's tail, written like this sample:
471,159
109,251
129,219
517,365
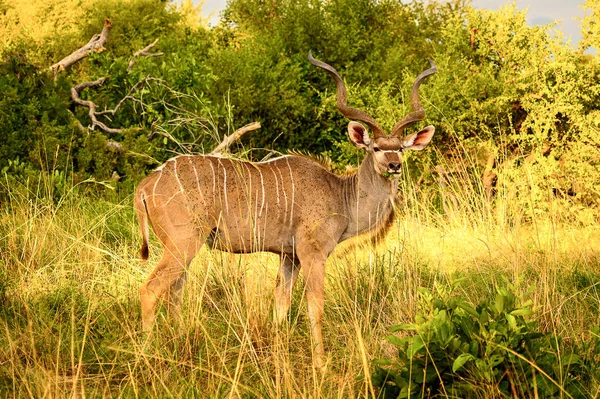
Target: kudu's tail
142,213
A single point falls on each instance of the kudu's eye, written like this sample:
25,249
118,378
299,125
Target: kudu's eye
376,149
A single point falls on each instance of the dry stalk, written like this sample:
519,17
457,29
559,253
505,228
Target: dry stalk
229,140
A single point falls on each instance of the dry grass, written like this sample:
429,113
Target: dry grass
69,311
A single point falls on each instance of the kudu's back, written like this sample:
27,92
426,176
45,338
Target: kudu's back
236,206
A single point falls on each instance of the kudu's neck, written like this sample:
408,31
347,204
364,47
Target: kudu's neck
369,198
368,177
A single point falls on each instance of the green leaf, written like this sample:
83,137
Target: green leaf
512,322
484,316
499,303
468,308
571,358
527,304
414,346
382,362
438,304
521,312
496,360
403,327
395,340
461,360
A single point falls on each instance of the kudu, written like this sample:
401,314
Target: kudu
291,206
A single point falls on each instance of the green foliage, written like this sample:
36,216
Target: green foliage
492,349
135,23
262,62
166,110
505,91
31,104
590,26
529,95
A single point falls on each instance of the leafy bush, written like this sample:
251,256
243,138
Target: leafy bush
31,104
511,100
492,350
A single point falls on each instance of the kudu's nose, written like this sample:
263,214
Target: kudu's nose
394,165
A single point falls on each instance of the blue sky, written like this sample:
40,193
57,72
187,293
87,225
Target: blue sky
539,12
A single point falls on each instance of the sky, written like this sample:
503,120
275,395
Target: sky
539,12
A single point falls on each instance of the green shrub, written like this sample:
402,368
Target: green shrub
491,350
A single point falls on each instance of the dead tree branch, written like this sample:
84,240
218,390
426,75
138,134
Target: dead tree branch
143,52
76,90
229,140
93,114
96,44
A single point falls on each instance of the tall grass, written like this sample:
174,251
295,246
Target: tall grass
69,280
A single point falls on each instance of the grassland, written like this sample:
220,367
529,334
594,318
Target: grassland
69,310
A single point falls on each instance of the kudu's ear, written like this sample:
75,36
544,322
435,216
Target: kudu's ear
418,141
359,136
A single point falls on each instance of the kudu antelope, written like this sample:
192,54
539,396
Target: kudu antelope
291,206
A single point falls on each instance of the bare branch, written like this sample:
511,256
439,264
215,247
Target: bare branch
91,105
229,140
96,44
93,114
143,52
268,156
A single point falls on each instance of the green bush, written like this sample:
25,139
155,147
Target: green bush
509,99
491,350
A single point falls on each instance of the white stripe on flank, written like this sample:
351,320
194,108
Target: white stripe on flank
284,193
249,187
176,176
264,233
225,185
262,185
169,160
214,177
254,219
154,188
293,191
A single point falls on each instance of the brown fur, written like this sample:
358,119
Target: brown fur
322,160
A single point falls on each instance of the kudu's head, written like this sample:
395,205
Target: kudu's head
387,149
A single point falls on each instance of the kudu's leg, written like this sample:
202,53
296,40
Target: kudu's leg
165,282
286,279
173,296
313,272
